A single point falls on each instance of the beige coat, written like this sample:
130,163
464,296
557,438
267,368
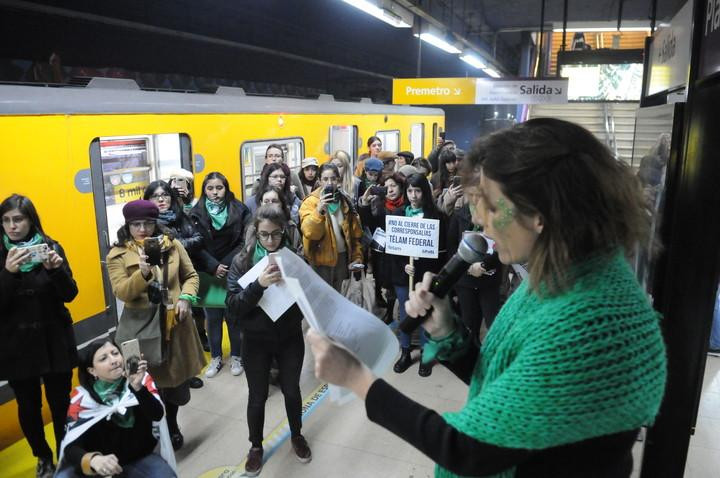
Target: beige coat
185,355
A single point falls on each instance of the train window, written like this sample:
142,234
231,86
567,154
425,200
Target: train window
390,140
252,157
417,139
345,138
123,166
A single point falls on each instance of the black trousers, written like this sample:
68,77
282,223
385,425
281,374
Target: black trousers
28,394
477,305
257,357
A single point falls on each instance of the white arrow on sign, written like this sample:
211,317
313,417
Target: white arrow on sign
458,91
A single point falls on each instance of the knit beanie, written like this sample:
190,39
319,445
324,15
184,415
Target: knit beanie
140,209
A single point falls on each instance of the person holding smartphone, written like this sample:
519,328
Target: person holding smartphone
331,229
265,340
36,334
124,411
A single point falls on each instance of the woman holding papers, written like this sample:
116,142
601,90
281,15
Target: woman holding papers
265,339
574,363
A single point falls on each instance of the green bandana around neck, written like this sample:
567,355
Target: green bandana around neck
259,253
218,213
109,392
413,212
333,206
36,239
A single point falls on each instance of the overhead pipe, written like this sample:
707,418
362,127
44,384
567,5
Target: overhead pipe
541,72
620,11
653,16
565,15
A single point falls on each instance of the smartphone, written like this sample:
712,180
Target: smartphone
131,354
37,252
378,190
328,190
179,183
151,246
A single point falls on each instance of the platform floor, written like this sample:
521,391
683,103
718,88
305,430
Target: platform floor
344,443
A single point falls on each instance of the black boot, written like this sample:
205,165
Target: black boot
425,369
404,361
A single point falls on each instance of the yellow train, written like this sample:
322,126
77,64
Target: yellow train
81,153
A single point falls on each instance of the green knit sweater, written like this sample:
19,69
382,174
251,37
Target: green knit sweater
566,368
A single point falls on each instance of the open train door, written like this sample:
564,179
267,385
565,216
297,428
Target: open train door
121,168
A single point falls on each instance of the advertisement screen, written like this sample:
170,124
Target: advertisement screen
606,82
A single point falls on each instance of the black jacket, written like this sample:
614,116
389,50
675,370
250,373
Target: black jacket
243,309
238,218
460,222
184,231
36,334
127,444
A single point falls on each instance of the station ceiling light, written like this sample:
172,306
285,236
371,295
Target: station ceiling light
438,39
491,72
385,10
472,59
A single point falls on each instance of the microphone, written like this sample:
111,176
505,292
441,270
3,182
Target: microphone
472,248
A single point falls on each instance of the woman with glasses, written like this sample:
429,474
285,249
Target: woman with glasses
36,334
272,198
135,277
222,220
266,340
331,229
276,175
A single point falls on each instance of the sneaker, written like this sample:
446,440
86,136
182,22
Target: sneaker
302,450
714,351
236,367
45,468
254,462
215,365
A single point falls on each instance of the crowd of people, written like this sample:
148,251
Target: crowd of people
177,261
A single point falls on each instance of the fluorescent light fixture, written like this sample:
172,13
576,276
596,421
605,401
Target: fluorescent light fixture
387,16
491,72
602,29
473,60
438,42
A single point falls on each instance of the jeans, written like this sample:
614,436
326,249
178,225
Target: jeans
403,292
29,401
257,358
151,466
215,333
715,333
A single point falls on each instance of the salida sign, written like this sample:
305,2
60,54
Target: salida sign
412,236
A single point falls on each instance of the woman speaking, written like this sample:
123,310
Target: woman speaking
574,363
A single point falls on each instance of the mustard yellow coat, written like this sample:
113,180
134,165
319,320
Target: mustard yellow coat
185,355
319,246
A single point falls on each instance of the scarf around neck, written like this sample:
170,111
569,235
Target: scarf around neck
391,204
167,217
218,213
36,239
109,393
413,212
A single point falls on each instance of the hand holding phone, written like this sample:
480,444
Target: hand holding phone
151,246
36,252
131,354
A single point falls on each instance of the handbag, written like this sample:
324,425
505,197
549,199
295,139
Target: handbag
360,291
212,291
144,325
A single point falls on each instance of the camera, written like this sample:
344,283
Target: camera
151,245
456,181
378,190
328,190
154,292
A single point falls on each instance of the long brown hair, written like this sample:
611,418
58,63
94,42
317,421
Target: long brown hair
590,203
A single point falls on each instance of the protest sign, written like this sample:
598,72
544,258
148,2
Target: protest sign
412,236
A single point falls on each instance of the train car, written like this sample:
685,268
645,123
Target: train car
81,153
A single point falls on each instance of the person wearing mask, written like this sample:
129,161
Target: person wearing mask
478,291
222,221
331,229
275,175
119,441
178,356
308,177
36,334
374,145
574,363
173,217
418,203
374,205
266,340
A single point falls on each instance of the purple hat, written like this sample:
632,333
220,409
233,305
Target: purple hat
373,164
140,209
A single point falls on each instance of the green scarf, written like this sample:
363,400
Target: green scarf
36,239
561,369
412,212
259,253
218,213
109,392
333,206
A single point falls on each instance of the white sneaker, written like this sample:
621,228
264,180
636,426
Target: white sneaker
236,367
215,365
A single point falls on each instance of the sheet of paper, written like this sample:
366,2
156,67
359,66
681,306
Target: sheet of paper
275,301
331,314
379,237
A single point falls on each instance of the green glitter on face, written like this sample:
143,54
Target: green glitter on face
506,215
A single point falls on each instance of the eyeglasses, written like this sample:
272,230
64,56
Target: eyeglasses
157,197
142,224
275,235
277,176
